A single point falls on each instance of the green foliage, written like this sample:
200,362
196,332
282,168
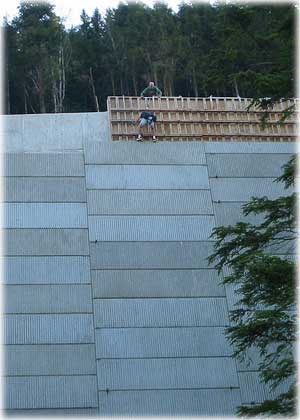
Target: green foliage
35,38
265,316
202,50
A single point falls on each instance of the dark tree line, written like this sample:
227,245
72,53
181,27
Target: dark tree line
220,50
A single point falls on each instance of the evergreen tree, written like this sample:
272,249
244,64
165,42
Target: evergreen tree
38,52
220,50
265,317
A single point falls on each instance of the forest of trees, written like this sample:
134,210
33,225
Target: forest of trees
201,50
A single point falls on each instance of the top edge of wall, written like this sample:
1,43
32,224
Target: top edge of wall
52,132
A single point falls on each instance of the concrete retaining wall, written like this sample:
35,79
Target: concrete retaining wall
110,305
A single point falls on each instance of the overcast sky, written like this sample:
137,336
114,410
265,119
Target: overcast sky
71,9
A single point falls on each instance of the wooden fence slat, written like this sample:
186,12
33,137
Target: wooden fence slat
200,119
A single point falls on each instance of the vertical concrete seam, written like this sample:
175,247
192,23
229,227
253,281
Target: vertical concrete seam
91,288
228,311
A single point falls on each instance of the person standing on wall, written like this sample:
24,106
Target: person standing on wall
151,90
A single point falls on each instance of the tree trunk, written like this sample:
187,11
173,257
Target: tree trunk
195,86
134,83
151,70
62,80
93,89
25,100
155,75
127,86
41,90
236,87
171,87
42,104
165,83
7,111
121,85
204,89
54,95
113,84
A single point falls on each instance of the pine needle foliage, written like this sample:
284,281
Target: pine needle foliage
264,317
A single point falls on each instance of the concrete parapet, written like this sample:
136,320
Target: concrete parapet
52,132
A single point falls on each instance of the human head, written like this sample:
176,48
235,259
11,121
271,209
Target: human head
151,84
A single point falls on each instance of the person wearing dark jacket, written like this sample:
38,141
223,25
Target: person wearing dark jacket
151,90
146,118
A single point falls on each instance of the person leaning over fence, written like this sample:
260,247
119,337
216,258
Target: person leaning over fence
146,118
151,90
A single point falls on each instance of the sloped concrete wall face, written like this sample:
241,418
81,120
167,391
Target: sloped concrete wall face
110,305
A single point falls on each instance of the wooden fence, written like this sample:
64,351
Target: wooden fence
201,119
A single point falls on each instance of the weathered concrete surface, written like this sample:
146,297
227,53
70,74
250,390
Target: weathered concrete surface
156,283
170,402
111,307
50,359
77,391
52,132
44,164
168,312
161,342
147,177
46,270
44,189
48,328
149,202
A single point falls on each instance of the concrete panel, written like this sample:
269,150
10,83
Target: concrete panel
95,128
293,258
161,342
218,372
150,228
242,189
43,164
150,255
11,131
252,359
46,270
55,412
249,147
127,153
50,392
45,242
48,329
232,296
55,132
149,202
250,362
287,247
246,165
40,360
64,131
44,189
170,312
47,299
253,391
227,213
156,283
69,128
146,177
44,215
194,402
